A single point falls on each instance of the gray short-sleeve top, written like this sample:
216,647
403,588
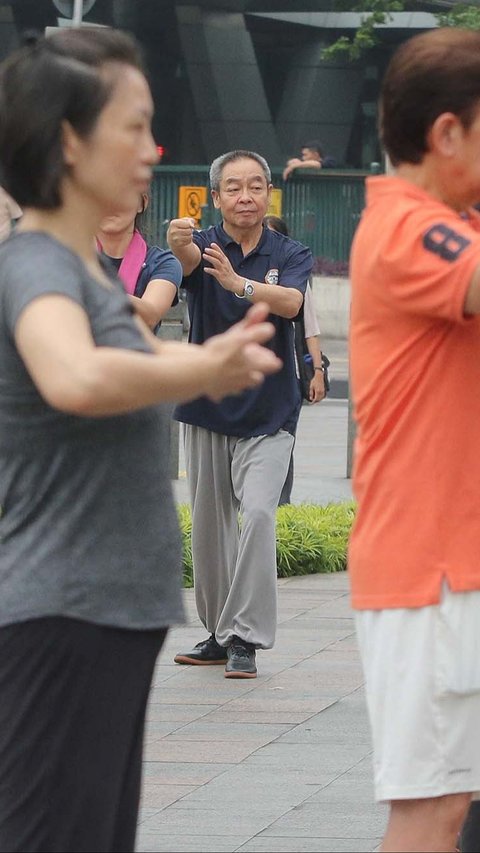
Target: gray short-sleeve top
88,524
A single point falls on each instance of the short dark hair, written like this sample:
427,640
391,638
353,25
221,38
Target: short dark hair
430,74
314,146
48,81
219,163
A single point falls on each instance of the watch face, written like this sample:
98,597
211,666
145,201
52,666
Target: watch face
249,289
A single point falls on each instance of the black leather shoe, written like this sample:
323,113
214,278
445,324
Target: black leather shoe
206,653
241,659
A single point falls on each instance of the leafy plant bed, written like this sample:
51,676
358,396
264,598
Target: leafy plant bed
310,538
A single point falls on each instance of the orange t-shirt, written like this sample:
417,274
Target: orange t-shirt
415,373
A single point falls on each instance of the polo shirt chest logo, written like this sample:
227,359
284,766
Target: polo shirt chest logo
271,277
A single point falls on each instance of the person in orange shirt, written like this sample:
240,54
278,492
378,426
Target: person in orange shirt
414,552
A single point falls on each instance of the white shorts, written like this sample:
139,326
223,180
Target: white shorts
422,672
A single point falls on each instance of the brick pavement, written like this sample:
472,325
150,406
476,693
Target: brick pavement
281,762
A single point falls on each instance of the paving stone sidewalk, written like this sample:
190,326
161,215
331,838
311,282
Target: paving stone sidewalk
282,762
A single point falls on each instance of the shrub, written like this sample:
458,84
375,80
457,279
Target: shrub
310,538
185,521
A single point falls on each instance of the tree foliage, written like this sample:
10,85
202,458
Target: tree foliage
376,12
462,15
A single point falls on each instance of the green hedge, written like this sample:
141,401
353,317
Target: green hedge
310,538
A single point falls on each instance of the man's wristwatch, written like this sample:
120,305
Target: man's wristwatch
248,290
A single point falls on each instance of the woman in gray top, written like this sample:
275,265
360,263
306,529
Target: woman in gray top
89,545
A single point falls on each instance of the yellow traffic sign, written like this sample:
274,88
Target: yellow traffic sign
190,202
275,206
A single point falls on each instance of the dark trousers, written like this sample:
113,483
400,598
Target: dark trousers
470,835
286,495
73,697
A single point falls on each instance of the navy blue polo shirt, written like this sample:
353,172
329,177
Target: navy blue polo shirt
159,263
276,403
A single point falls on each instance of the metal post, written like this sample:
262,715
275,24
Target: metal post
172,330
77,13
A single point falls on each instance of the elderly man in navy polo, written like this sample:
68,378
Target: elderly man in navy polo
237,451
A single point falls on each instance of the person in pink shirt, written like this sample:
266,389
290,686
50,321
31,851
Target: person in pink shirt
150,275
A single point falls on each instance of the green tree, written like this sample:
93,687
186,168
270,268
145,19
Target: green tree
462,15
375,12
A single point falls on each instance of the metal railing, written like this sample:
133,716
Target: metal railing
322,209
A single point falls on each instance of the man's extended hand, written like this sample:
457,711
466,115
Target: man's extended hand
221,269
181,243
180,232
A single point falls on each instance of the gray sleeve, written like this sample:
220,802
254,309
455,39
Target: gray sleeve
33,268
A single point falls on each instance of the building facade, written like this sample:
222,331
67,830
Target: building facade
249,74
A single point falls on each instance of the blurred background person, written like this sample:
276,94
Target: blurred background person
150,275
312,342
312,157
